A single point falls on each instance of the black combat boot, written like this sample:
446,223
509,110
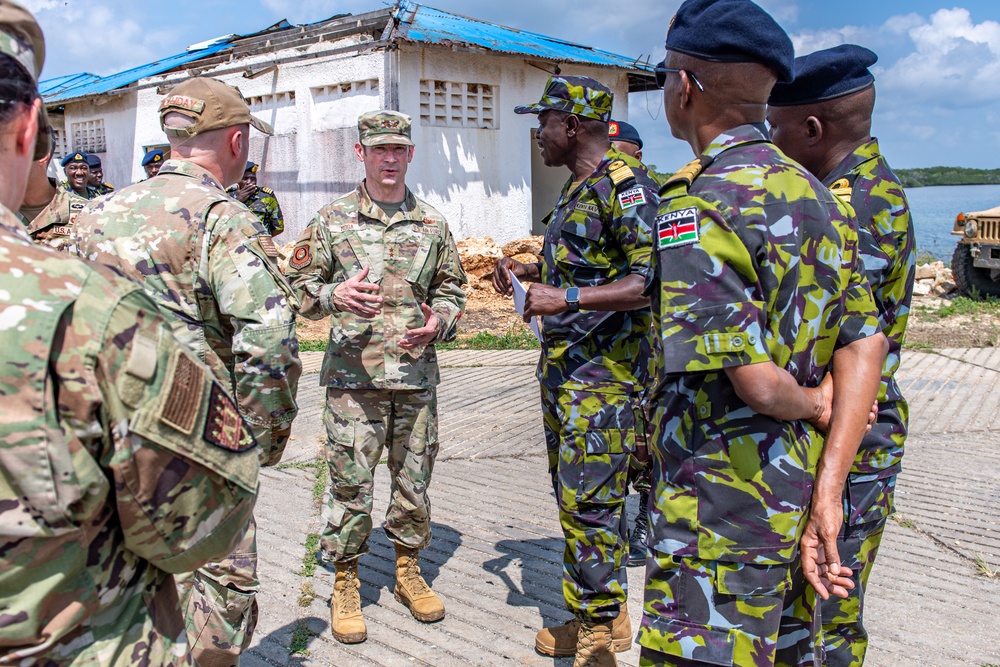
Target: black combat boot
639,533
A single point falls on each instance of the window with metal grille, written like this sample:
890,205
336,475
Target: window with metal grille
88,136
336,91
452,104
60,150
271,101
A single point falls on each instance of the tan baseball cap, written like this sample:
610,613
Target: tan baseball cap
211,104
21,38
377,128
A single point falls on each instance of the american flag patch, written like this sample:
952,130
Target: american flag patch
631,198
677,228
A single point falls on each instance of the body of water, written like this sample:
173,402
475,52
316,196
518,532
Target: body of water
934,210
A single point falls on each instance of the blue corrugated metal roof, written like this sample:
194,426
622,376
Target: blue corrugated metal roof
61,83
128,77
419,23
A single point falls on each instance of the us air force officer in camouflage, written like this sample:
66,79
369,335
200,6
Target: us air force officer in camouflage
122,459
208,263
595,354
757,288
384,265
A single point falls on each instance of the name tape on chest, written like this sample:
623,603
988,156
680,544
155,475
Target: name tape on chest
631,198
677,228
592,209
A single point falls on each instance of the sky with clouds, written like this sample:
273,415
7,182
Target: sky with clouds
938,75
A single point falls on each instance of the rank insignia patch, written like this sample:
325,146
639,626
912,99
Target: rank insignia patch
631,198
677,228
224,426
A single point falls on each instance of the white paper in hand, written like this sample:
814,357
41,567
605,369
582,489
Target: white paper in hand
519,294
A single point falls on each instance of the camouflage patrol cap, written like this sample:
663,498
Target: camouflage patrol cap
377,128
211,104
21,38
579,95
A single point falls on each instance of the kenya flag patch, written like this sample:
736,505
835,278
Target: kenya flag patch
677,228
631,198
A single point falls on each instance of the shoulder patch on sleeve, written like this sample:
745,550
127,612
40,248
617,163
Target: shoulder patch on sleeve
677,228
267,243
632,198
185,379
224,427
688,172
301,256
842,188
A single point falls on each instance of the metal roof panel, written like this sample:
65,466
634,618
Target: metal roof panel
419,23
106,84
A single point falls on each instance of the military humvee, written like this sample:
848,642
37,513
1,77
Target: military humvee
976,262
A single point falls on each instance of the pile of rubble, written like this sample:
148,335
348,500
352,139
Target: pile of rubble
934,279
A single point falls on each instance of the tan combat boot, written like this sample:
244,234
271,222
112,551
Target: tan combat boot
593,646
561,640
346,621
413,591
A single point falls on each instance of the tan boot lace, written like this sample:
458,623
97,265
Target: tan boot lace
350,596
414,581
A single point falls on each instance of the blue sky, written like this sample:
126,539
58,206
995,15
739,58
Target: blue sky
938,76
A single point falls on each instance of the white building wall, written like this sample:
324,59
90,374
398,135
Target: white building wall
310,160
480,179
118,112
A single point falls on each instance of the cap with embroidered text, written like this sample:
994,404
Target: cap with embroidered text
210,104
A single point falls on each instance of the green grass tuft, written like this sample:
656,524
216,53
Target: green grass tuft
513,339
301,635
309,558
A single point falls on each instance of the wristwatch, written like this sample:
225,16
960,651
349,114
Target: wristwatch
573,299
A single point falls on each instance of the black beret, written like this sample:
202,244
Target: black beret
619,130
93,161
155,155
826,75
731,31
75,158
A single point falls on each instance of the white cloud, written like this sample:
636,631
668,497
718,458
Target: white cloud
35,6
956,62
121,42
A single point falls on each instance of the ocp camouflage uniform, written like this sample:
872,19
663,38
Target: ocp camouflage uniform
124,461
378,394
208,263
885,235
264,205
755,261
53,226
593,367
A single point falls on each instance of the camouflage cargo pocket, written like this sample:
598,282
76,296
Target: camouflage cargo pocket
604,474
